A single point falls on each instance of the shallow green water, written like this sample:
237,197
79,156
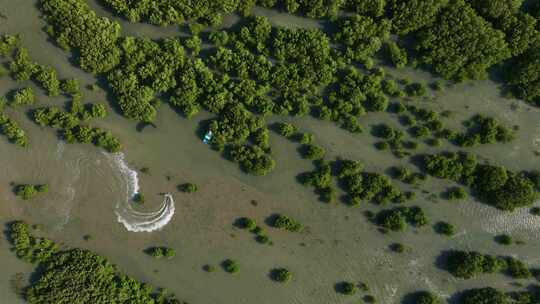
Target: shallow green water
338,243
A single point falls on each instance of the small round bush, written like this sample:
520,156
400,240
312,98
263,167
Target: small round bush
445,228
188,188
230,266
281,275
397,247
382,145
347,288
504,239
535,210
246,223
139,198
209,268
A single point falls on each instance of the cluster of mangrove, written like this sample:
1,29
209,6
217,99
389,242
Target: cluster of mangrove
251,226
160,252
396,219
76,275
70,123
12,130
27,192
468,264
492,184
497,32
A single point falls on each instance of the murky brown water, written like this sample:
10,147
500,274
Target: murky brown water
337,244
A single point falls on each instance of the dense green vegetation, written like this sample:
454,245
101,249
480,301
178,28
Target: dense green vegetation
282,221
230,266
76,275
397,218
254,70
347,288
468,264
12,130
493,185
71,127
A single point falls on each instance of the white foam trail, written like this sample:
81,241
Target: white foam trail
134,220
146,222
130,175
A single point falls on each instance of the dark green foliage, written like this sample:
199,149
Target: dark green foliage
75,275
454,166
535,211
367,186
147,68
188,188
396,219
281,275
8,43
177,11
411,15
246,223
71,86
362,36
230,266
12,130
517,269
416,89
468,264
486,295
313,152
28,247
287,129
396,55
397,247
484,130
72,131
347,288
27,192
392,219
21,67
445,228
284,222
321,180
75,25
139,198
494,185
504,239
505,15
23,97
524,75
456,193
253,159
161,252
425,297
46,77
460,44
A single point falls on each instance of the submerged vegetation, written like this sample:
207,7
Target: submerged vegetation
256,71
76,275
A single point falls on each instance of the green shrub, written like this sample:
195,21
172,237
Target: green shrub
284,222
188,188
231,266
281,275
347,288
445,228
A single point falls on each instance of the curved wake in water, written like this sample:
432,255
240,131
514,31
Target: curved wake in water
132,219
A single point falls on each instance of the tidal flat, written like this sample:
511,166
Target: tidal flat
337,243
